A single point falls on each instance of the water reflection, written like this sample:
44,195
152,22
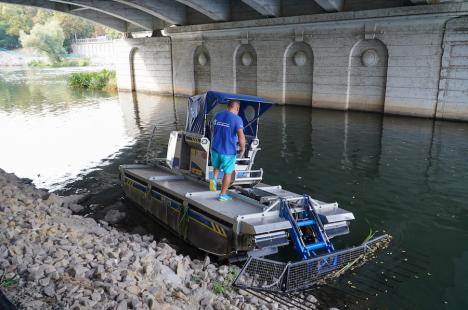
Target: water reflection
401,175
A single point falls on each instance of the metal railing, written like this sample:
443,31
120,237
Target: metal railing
92,40
272,276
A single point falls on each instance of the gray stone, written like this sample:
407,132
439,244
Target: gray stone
181,272
133,289
205,301
44,281
217,305
122,305
50,290
312,299
36,273
253,300
223,270
77,271
207,261
96,296
76,208
114,216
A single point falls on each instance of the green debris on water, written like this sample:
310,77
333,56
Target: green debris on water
363,258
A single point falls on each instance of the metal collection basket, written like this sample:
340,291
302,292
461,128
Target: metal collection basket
272,276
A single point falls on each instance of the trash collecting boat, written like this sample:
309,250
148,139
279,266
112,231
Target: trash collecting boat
260,218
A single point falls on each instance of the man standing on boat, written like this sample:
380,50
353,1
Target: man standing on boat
228,129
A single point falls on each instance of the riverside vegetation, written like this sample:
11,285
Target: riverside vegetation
101,80
49,32
78,62
51,258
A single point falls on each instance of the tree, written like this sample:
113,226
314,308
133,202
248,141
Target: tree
17,18
7,41
108,32
46,38
73,28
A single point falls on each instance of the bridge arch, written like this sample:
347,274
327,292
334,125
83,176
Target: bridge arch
367,76
201,70
245,70
298,68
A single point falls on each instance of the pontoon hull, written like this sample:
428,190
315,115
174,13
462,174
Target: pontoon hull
204,232
238,228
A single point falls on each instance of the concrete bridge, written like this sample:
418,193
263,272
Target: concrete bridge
389,56
155,15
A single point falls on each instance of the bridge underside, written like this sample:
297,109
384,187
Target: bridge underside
154,15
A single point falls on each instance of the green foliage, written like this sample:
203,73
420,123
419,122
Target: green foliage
92,80
226,285
18,19
196,279
74,28
7,41
46,38
108,32
111,84
81,62
218,288
8,283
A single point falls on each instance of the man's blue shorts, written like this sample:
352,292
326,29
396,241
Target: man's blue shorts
227,163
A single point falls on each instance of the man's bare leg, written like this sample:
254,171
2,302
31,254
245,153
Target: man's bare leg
214,180
226,182
215,174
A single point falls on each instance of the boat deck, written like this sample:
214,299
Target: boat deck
196,193
230,210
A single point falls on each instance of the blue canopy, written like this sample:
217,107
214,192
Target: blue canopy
251,108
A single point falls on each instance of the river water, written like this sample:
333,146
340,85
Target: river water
404,176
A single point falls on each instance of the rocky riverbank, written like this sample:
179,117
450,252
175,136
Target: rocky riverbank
53,259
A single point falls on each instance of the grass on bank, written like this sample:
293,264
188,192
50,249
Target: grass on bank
64,63
221,287
101,80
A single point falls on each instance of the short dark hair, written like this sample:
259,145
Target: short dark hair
232,103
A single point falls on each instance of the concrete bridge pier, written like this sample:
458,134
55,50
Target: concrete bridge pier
405,60
144,65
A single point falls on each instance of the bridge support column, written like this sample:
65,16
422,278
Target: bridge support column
144,64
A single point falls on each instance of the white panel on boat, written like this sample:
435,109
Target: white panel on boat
180,187
145,172
226,210
277,191
264,224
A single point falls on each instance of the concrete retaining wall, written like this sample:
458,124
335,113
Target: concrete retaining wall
101,52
